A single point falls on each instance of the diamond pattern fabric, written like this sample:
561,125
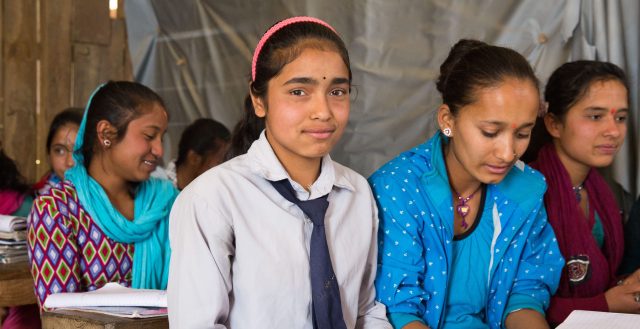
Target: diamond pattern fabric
68,251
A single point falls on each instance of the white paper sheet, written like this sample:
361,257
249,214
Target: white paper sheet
600,320
112,294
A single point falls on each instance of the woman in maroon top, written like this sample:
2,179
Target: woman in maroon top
586,123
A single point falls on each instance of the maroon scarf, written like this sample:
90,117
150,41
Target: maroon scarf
573,230
10,201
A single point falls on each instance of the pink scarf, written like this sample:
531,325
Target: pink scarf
573,229
10,201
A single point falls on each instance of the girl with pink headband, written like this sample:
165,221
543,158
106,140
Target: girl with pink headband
281,236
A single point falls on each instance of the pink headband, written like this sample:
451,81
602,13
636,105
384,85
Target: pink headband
276,28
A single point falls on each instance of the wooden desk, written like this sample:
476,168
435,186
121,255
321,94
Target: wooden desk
86,320
16,285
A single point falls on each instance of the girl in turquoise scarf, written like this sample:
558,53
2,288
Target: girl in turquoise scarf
108,221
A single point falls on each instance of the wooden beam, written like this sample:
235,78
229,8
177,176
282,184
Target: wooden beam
20,52
55,78
91,22
2,20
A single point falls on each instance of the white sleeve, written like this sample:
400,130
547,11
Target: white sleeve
202,247
371,314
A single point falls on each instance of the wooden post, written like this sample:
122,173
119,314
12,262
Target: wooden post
52,55
20,54
55,77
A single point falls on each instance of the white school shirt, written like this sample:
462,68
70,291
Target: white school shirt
240,251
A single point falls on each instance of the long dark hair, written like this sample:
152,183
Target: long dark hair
245,132
10,177
281,48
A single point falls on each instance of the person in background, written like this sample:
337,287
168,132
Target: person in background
464,238
16,197
108,220
60,140
586,123
202,146
282,236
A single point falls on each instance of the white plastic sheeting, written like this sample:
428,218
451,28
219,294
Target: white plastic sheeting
197,55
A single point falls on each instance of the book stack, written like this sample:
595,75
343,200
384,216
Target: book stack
13,239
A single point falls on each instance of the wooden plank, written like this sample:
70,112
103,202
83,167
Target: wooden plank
120,14
89,64
95,64
91,22
2,20
16,285
74,319
55,68
20,55
117,46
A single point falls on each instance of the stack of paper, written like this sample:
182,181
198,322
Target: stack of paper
113,299
13,239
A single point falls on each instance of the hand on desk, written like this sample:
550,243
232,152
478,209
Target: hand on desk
625,298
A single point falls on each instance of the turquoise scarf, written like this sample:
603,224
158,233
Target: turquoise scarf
149,228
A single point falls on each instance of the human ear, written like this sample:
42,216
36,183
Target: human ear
193,159
445,120
106,131
553,125
258,106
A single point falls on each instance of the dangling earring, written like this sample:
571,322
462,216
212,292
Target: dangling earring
447,132
107,143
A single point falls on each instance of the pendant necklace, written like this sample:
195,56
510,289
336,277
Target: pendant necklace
577,190
462,208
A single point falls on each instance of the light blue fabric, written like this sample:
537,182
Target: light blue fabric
468,291
521,301
149,228
416,233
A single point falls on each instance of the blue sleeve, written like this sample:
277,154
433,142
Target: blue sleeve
519,301
539,271
401,262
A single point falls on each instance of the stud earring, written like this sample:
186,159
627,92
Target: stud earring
447,132
106,143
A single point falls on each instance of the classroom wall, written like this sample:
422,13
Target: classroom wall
53,54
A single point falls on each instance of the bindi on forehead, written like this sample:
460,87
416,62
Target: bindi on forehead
613,111
513,126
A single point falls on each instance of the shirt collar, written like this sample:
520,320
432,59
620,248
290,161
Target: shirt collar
263,162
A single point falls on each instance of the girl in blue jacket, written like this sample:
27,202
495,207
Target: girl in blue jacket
464,238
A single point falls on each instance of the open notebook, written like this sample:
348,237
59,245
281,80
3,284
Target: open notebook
600,320
112,299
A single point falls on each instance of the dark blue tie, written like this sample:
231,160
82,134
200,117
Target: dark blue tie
326,306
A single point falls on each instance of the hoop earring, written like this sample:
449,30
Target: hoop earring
447,132
107,143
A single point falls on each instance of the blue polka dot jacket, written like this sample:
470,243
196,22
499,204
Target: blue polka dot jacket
416,231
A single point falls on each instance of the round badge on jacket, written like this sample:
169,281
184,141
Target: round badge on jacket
578,269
